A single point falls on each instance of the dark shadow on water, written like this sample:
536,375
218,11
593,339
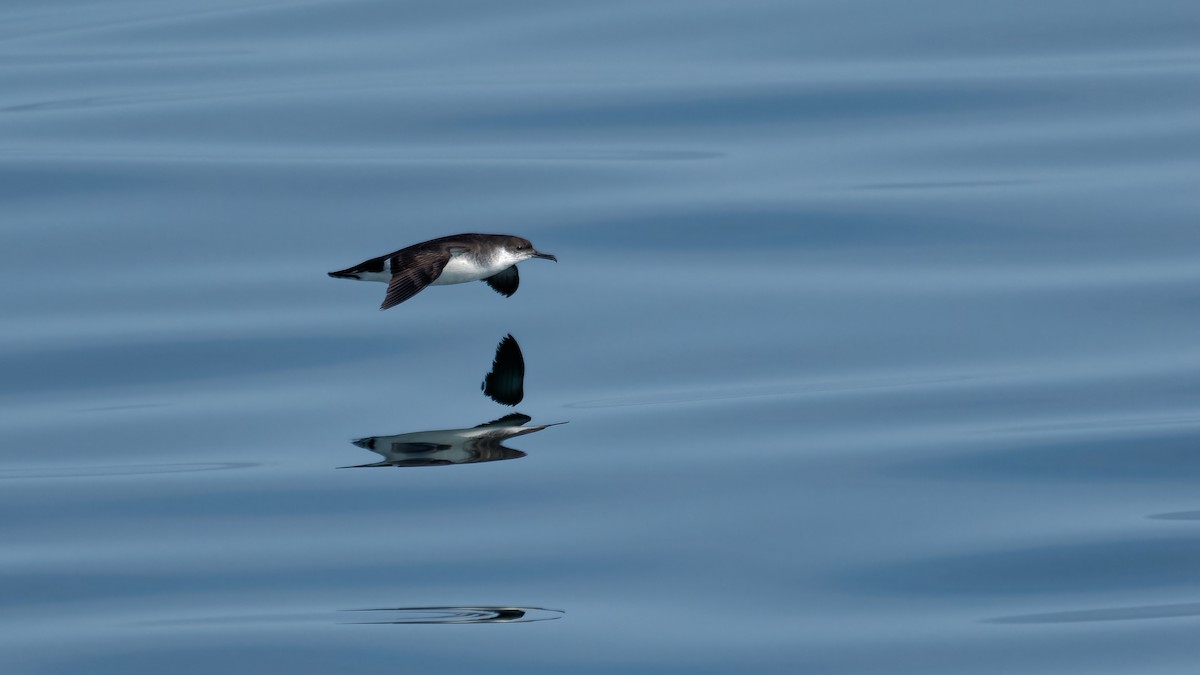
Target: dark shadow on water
482,443
1173,611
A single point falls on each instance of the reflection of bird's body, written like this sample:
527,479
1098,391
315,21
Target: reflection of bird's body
448,260
451,446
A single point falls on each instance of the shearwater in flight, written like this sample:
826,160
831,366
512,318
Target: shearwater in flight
455,259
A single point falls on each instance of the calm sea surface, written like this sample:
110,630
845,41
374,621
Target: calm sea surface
874,328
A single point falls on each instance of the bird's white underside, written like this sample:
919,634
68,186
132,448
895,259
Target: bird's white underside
459,270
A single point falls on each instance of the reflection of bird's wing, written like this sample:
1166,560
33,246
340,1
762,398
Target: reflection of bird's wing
512,420
505,282
367,466
412,272
506,382
417,448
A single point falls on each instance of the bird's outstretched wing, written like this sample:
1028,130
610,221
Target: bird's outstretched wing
412,272
505,283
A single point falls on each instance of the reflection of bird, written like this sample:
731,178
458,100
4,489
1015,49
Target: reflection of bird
448,260
421,615
506,382
450,446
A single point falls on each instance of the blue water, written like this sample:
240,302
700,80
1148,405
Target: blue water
874,331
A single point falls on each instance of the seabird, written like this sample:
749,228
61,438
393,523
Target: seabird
456,259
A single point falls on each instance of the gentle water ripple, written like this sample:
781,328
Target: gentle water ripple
1175,611
118,471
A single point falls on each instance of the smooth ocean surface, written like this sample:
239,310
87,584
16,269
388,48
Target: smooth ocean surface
875,328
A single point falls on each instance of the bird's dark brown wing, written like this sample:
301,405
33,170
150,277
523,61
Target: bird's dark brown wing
412,272
505,283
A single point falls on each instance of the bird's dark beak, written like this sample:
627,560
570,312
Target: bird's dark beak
547,256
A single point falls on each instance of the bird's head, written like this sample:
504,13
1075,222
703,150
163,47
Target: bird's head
523,249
